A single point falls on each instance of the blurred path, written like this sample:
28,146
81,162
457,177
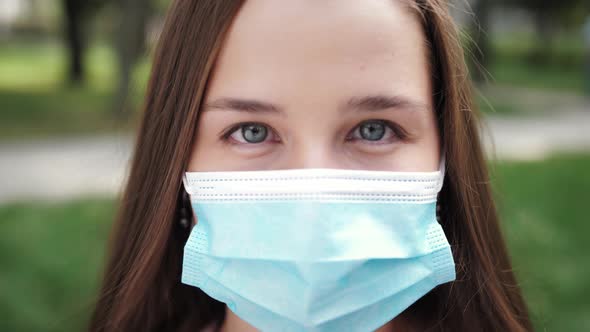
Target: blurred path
534,101
533,138
59,169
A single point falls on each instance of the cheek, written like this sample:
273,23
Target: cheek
210,158
206,152
424,155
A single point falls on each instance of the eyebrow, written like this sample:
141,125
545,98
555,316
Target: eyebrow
382,102
244,105
369,103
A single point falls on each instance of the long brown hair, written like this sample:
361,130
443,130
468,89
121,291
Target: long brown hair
141,290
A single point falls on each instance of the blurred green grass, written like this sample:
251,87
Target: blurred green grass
520,72
51,253
36,101
522,60
544,212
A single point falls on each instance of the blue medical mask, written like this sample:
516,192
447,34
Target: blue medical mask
316,249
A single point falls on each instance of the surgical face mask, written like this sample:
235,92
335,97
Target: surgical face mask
316,249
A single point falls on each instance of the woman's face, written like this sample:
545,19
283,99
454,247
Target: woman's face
320,84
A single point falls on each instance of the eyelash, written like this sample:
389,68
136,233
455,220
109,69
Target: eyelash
397,130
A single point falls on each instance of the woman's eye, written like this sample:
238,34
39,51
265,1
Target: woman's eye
249,133
374,131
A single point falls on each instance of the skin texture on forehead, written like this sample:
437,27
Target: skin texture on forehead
310,57
321,42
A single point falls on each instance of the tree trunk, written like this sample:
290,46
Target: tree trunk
130,46
480,32
74,40
544,28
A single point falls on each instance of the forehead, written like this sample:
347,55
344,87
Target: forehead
314,49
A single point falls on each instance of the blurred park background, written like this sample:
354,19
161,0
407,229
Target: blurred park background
72,78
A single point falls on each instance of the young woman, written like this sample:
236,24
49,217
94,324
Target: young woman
351,107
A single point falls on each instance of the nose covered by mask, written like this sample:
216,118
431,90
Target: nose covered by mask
316,249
